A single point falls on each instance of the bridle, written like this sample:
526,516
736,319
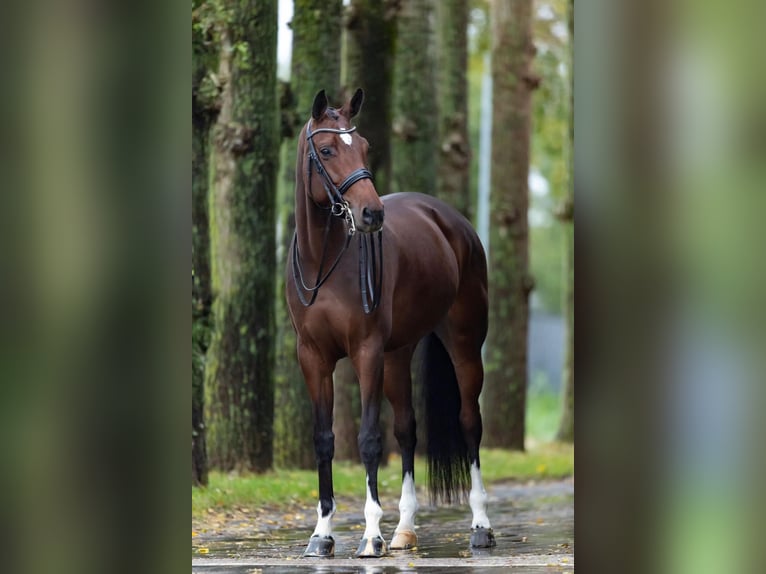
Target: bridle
370,274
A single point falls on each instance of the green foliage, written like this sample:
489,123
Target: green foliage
550,149
543,406
546,262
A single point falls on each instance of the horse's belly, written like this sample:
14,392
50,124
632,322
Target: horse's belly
418,310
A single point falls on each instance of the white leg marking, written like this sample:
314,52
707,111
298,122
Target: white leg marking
478,499
324,524
408,505
372,515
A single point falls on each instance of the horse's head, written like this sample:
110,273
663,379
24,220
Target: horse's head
339,163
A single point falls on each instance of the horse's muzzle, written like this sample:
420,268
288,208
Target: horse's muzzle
372,219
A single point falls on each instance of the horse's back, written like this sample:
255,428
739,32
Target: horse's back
410,217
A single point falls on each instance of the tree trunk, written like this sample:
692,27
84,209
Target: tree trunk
201,297
414,144
239,384
415,121
346,409
454,147
315,65
509,279
370,37
204,110
566,424
370,56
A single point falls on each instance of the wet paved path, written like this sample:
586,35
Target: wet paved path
533,524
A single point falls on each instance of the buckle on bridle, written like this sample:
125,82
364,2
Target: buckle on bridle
343,209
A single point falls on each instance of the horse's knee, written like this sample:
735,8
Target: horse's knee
324,446
370,446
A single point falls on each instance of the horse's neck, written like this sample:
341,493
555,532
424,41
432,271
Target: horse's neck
310,222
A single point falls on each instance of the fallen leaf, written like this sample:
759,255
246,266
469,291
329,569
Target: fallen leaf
203,550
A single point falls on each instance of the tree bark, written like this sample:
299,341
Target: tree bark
316,58
239,384
370,26
454,147
346,409
566,424
415,131
414,121
370,56
204,110
510,282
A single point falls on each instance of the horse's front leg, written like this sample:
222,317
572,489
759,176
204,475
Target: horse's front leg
368,363
318,375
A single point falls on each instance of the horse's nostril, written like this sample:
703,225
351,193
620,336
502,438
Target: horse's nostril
372,216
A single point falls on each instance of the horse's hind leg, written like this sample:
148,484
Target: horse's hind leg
397,385
470,374
464,332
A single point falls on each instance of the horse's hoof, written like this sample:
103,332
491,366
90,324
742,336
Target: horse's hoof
404,540
482,538
371,548
320,547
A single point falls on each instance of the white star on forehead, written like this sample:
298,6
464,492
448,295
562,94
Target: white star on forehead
346,138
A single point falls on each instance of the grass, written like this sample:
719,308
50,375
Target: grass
543,410
282,488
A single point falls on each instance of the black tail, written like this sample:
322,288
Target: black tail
447,455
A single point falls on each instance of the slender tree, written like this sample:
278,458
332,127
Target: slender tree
239,379
414,114
204,110
566,215
415,123
316,59
454,159
346,409
371,27
370,39
510,282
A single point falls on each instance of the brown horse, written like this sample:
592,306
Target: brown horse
431,285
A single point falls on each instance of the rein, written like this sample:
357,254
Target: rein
370,274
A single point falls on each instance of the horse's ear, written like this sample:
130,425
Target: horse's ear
319,106
356,102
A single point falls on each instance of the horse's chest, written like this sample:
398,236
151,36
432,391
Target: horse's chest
340,328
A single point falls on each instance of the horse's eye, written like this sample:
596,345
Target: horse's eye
326,151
